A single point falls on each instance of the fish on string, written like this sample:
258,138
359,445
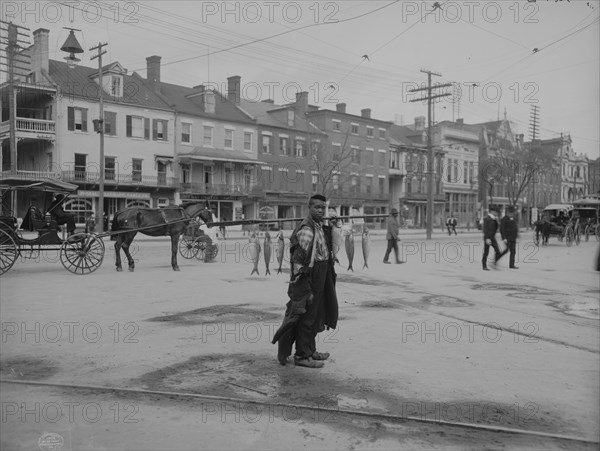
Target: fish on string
254,251
267,246
366,245
349,243
279,249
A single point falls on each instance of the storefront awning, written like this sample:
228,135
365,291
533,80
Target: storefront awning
225,155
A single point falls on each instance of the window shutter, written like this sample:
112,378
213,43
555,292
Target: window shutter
71,118
154,127
128,125
166,130
84,119
146,128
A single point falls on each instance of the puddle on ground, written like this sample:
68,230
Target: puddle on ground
382,304
218,314
446,301
351,278
27,368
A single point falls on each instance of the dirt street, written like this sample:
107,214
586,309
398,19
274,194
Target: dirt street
431,354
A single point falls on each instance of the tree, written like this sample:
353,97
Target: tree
333,167
513,169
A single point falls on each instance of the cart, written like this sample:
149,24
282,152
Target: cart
80,253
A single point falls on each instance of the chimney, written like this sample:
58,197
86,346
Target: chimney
366,113
153,71
302,101
233,88
268,101
340,107
209,101
460,121
420,123
39,56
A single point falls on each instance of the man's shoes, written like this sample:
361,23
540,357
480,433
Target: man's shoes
399,262
514,267
320,355
283,359
486,269
386,262
308,363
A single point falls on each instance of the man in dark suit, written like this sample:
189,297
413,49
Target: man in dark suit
509,231
490,227
61,216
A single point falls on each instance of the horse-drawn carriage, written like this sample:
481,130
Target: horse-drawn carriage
587,213
556,220
80,253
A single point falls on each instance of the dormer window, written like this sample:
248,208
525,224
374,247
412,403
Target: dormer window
116,87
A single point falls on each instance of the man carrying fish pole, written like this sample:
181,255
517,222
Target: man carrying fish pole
313,303
392,236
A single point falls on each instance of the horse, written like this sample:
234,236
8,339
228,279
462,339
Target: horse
544,228
171,221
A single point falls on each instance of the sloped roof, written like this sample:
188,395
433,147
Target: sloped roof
264,113
78,82
190,101
406,136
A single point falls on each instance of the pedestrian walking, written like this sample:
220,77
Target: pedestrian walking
313,303
509,231
451,224
490,228
392,237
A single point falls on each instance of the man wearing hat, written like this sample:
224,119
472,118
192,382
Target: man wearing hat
392,236
509,231
490,227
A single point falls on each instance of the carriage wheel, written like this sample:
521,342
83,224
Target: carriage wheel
8,251
598,232
569,236
206,250
536,238
188,248
82,253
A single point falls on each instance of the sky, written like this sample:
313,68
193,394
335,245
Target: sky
501,57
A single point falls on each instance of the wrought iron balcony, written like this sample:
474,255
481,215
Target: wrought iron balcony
214,188
30,128
130,179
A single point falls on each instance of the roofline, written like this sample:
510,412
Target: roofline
311,113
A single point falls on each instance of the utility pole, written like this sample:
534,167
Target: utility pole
533,130
13,41
100,130
430,158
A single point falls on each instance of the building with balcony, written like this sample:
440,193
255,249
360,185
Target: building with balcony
57,106
409,181
287,145
353,169
460,170
215,145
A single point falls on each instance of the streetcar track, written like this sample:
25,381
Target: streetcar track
319,408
